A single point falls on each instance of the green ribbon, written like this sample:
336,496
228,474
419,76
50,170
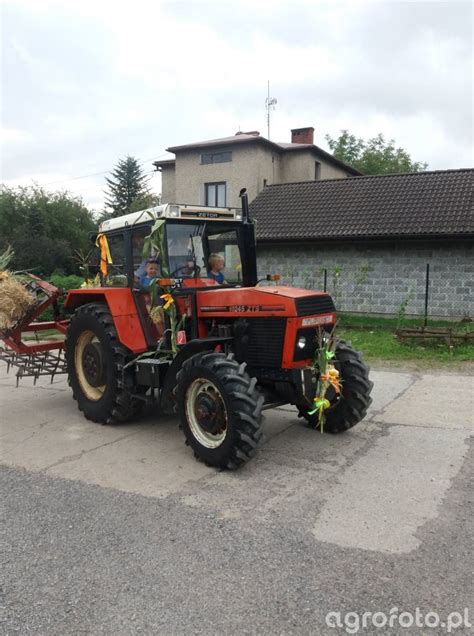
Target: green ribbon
320,404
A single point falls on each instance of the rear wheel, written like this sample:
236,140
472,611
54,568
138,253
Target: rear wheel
220,409
101,386
351,406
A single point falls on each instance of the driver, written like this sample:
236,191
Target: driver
189,269
216,264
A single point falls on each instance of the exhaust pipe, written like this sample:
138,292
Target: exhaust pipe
245,205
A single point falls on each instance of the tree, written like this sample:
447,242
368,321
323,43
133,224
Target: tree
374,156
127,186
150,200
44,228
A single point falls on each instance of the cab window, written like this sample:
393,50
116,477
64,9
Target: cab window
117,276
139,260
184,248
226,245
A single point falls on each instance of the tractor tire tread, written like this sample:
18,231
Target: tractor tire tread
356,388
123,405
244,406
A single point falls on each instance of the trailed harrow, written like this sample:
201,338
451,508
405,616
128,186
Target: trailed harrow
36,357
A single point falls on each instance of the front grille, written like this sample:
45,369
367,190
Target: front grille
311,305
265,341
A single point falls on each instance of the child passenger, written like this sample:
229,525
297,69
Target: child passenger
216,265
150,273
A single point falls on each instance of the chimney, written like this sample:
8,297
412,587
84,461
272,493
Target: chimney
302,135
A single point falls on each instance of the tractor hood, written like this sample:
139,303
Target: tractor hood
263,301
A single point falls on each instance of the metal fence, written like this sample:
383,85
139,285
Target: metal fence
423,290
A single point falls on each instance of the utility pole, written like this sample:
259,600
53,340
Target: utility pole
270,104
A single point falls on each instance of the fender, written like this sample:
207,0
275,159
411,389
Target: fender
123,310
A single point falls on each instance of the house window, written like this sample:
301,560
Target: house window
216,194
264,183
317,170
216,157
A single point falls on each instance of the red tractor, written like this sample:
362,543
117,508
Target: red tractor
224,347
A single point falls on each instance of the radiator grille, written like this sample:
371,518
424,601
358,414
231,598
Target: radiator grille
314,305
266,337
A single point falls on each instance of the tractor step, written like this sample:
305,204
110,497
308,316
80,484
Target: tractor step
152,371
34,365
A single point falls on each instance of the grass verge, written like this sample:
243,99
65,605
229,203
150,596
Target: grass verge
375,337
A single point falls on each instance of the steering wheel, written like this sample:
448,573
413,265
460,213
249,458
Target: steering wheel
196,270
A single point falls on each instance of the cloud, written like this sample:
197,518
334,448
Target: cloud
85,85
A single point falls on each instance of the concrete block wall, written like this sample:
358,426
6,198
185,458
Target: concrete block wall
380,278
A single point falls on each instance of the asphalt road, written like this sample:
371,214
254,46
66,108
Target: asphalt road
118,530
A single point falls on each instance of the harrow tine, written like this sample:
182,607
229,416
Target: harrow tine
34,365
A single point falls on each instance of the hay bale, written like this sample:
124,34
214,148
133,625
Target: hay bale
15,301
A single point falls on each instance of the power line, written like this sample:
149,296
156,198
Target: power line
93,187
94,174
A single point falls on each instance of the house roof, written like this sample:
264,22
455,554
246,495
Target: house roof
245,138
422,204
165,163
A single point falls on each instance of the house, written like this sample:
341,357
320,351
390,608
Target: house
213,172
371,238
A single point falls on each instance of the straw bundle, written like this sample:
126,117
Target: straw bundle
15,301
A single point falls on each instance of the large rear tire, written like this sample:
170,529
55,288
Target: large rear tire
351,407
220,409
95,361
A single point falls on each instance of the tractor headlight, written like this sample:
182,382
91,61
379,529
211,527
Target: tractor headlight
305,344
301,342
174,210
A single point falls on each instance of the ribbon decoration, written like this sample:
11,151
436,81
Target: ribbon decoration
320,404
105,257
168,301
332,378
328,375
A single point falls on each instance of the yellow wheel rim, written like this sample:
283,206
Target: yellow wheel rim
92,393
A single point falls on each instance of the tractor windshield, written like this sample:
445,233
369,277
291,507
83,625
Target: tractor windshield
204,250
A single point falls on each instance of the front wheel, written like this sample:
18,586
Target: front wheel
220,409
351,406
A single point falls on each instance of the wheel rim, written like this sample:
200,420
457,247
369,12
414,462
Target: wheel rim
206,413
87,360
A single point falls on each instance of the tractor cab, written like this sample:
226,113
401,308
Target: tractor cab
187,240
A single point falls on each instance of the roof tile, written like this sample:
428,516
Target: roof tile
437,203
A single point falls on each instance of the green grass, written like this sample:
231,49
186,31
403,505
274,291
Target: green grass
355,321
46,334
375,337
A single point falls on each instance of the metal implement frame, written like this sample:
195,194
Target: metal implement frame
36,358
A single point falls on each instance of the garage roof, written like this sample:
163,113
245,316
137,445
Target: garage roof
422,204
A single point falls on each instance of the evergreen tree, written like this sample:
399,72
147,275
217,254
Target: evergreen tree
127,185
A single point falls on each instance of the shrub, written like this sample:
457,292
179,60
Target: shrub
62,282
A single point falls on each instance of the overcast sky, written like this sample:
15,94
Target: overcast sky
85,83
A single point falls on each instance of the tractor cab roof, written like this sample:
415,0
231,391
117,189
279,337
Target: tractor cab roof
172,211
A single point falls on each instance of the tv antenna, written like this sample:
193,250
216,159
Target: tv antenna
270,104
